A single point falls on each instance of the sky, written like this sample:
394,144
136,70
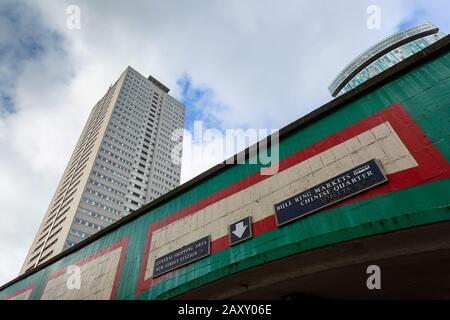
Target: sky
234,64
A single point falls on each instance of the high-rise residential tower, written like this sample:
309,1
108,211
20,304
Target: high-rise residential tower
122,160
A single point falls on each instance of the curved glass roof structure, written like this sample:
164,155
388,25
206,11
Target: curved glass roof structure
384,55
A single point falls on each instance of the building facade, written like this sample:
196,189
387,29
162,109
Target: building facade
122,160
370,171
383,56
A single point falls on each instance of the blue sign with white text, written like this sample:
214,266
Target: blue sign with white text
347,184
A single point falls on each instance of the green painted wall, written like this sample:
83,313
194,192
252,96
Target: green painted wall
425,94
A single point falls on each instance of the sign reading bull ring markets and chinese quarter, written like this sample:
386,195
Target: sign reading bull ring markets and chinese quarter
183,256
347,184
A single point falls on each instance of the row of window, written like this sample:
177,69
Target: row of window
168,132
166,182
140,88
128,111
124,124
175,113
122,101
88,224
142,173
128,122
167,146
164,156
140,95
168,161
103,196
100,205
137,186
161,161
159,186
69,244
117,174
120,143
105,187
124,130
113,163
117,149
165,174
115,156
79,234
157,193
96,215
109,179
121,136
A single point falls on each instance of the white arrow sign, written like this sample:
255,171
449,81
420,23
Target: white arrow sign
240,229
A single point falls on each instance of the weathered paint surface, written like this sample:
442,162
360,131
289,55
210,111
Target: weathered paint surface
404,124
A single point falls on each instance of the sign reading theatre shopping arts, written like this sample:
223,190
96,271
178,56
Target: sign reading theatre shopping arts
347,184
183,256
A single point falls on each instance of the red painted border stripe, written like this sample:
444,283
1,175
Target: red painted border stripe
432,166
20,291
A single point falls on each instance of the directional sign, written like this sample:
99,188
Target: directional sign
241,231
343,186
183,256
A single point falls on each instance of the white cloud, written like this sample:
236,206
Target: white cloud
267,63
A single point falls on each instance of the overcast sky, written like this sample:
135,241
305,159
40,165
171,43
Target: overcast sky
235,64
